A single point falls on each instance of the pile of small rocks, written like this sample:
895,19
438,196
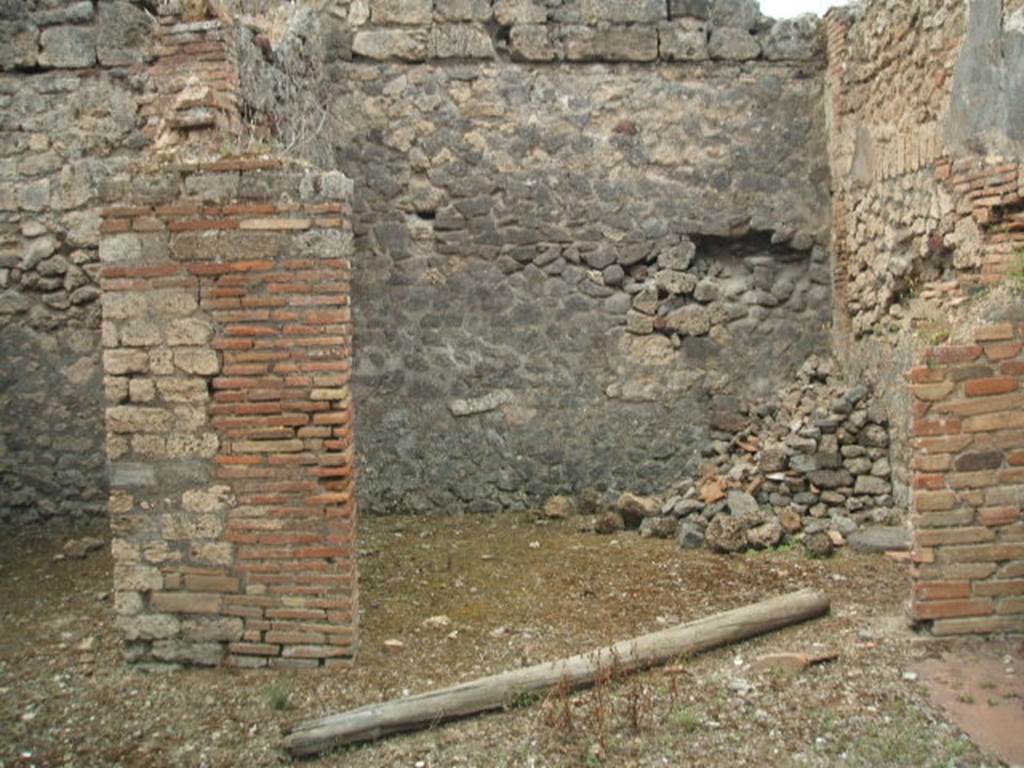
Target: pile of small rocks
812,465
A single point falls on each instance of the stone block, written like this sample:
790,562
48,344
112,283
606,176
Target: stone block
141,333
68,47
212,553
69,13
689,320
740,14
200,361
164,302
680,43
208,630
616,43
129,475
460,41
132,418
463,10
188,445
797,39
148,627
180,651
510,12
21,45
185,602
183,390
401,11
733,45
127,603
623,11
383,44
697,9
674,282
141,390
176,527
34,195
117,362
216,498
532,42
133,577
189,332
124,33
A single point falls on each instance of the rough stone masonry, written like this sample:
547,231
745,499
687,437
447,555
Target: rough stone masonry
579,227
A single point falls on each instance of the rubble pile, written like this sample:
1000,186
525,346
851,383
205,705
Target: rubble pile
812,464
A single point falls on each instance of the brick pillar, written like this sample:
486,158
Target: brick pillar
968,483
227,340
192,85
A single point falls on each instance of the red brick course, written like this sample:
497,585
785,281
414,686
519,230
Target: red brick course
968,485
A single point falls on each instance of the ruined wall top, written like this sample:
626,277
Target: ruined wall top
569,30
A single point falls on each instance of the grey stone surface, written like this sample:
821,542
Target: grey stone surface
71,47
21,44
880,538
733,44
682,43
402,11
690,536
63,134
51,425
484,247
614,43
693,8
726,534
658,527
403,44
800,38
739,14
124,31
597,11
460,41
986,114
765,535
741,504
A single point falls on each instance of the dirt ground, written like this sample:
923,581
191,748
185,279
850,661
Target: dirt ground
514,592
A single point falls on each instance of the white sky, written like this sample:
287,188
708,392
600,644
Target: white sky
781,9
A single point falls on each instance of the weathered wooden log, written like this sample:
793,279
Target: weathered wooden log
489,693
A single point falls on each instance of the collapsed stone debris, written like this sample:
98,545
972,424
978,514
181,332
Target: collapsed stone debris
816,459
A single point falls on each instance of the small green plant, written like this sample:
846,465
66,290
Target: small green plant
1016,272
523,700
277,697
988,685
687,719
904,738
934,333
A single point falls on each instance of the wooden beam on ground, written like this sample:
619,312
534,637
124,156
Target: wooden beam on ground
497,691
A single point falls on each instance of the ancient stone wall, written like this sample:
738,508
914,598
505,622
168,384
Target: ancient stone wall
227,345
927,224
926,206
69,119
577,223
969,484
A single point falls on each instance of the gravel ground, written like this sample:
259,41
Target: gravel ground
513,592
